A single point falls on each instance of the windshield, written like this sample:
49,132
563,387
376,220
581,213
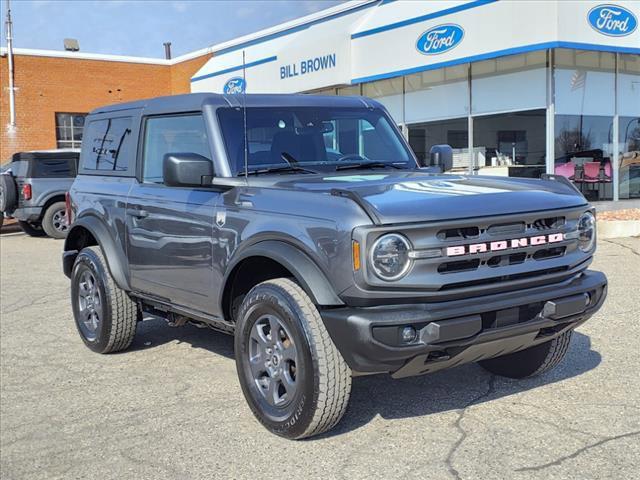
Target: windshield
312,139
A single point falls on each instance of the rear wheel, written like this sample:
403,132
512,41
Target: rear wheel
105,315
531,361
293,377
54,221
31,229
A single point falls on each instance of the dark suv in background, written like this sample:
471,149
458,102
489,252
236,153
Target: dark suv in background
304,226
33,187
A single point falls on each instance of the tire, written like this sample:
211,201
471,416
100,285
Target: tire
8,193
54,220
531,361
31,229
312,390
104,314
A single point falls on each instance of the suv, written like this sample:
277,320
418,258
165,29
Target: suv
33,187
304,226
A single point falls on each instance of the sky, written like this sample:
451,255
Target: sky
140,27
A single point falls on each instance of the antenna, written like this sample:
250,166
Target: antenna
244,117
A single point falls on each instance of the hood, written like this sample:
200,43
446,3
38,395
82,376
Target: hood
413,196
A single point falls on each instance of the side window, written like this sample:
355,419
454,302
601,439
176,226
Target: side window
50,168
107,145
171,134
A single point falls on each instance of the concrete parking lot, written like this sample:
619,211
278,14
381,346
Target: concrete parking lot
171,406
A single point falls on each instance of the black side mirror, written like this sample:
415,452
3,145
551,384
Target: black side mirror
186,170
442,157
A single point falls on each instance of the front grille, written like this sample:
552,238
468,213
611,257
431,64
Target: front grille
504,278
502,252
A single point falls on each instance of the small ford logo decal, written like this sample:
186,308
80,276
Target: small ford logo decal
235,85
440,39
612,20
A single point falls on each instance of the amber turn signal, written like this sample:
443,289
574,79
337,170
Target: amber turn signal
355,251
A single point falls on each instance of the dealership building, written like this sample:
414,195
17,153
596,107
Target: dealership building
517,88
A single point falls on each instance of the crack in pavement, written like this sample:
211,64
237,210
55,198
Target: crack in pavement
558,461
463,432
635,252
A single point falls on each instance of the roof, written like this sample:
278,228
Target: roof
195,101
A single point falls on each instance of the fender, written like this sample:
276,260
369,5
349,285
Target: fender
112,250
304,269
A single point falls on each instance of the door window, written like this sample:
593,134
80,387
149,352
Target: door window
171,134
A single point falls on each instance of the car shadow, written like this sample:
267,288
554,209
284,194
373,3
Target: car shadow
154,332
381,395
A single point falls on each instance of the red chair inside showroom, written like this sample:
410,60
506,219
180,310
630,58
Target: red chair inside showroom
591,172
607,172
567,170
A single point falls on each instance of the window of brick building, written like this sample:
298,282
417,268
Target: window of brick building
69,128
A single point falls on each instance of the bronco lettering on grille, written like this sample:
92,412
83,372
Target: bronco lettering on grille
504,244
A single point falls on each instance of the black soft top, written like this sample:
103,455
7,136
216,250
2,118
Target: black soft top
46,155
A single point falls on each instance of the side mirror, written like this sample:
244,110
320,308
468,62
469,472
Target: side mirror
186,170
442,157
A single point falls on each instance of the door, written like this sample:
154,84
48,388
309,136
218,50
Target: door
170,228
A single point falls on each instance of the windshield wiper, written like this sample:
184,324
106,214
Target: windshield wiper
355,166
283,169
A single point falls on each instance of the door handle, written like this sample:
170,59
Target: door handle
138,213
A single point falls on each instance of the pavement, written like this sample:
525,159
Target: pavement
171,408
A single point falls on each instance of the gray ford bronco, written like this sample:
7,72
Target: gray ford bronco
33,187
304,226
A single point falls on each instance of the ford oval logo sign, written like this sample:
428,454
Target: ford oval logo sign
612,20
440,39
235,85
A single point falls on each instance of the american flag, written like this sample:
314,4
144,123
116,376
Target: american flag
578,79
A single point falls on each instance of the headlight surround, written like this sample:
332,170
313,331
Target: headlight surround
389,256
586,232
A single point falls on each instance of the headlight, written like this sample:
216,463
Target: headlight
586,231
390,256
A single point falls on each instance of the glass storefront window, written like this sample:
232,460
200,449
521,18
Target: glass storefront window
629,125
584,82
437,94
511,144
514,82
350,90
583,148
389,93
629,174
453,132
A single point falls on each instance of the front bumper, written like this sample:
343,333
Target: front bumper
467,330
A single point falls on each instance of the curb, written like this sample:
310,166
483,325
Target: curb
618,228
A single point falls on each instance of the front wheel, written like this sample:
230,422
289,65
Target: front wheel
293,377
31,229
531,361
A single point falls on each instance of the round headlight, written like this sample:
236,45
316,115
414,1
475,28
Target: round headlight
586,231
390,256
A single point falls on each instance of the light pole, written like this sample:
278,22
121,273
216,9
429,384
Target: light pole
12,97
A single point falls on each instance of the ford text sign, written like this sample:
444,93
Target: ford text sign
235,85
612,20
440,39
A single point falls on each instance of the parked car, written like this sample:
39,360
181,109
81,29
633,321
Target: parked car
33,187
236,212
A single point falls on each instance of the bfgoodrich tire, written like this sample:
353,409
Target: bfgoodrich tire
104,314
54,221
532,361
294,379
31,229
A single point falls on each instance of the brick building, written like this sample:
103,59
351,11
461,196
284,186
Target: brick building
55,89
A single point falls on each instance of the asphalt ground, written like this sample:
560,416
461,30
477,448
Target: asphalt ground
171,406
